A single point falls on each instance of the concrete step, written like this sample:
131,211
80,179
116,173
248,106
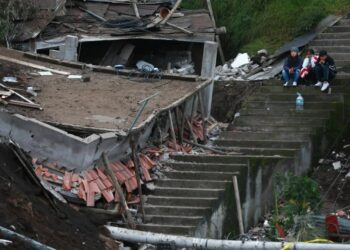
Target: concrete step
342,63
262,136
319,97
288,105
167,229
276,121
182,183
199,175
338,28
180,192
331,49
181,201
281,112
339,57
177,210
260,143
173,220
330,42
335,36
277,88
289,152
225,159
343,22
190,166
292,128
343,75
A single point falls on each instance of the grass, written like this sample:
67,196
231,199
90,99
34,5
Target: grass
256,24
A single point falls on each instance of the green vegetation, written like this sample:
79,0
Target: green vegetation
257,24
11,13
294,196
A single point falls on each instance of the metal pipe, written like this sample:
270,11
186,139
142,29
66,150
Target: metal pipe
25,240
135,236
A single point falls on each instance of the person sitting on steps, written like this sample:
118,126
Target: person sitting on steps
325,70
308,69
291,68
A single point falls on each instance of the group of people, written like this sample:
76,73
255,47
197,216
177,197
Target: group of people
317,69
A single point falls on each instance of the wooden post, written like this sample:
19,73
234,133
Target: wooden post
172,128
193,106
238,205
204,119
135,159
182,125
176,5
136,10
217,37
191,130
177,119
130,219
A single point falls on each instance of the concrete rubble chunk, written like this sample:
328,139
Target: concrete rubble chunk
336,165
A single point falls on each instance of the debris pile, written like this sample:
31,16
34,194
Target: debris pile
94,186
241,66
10,96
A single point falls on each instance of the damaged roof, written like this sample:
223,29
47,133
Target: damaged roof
107,102
113,20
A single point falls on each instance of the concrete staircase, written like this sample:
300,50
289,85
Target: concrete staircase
269,127
336,40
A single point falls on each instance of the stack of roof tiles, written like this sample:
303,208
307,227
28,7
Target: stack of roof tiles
94,184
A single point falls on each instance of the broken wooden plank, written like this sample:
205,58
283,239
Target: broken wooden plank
204,120
32,65
217,38
172,128
74,28
176,5
17,94
25,104
135,159
238,205
186,31
119,190
136,10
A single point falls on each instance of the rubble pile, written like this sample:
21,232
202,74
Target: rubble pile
94,185
240,67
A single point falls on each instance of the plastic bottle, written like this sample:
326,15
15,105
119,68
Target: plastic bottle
299,102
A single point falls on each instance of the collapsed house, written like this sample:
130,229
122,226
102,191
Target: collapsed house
78,92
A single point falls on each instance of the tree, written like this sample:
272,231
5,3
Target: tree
13,14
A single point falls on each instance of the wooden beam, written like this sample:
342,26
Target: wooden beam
172,131
133,145
217,37
186,31
118,189
191,131
238,205
136,10
183,120
204,120
176,5
32,65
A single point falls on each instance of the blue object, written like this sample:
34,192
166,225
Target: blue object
119,66
299,102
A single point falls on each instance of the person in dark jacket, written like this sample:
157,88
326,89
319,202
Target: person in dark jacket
325,70
291,68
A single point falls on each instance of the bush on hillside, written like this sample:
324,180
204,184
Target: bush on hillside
255,24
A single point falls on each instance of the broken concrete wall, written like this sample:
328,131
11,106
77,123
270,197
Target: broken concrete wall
255,186
68,51
47,142
208,71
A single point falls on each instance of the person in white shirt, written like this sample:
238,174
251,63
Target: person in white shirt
307,71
